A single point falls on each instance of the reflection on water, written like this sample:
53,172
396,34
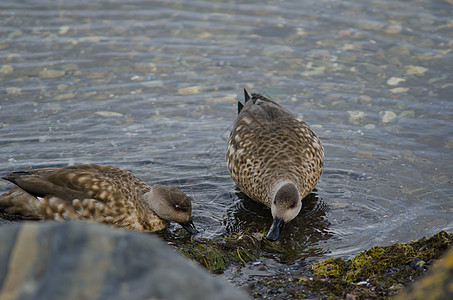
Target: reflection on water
301,236
151,87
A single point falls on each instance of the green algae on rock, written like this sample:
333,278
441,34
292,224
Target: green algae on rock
437,284
217,255
379,271
378,259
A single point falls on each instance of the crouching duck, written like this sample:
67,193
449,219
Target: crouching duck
98,193
274,158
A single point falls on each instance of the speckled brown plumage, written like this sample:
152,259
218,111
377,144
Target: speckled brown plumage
98,193
269,147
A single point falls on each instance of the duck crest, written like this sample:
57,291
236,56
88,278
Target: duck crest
269,145
247,98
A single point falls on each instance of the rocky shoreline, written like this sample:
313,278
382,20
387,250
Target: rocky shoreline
378,273
70,260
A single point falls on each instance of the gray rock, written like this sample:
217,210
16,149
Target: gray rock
436,284
417,264
78,260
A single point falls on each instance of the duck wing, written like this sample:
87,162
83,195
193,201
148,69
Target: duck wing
73,182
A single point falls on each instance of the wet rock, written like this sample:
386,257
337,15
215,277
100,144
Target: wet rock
152,83
369,24
205,35
65,96
430,262
347,47
313,69
399,90
13,91
43,138
50,73
90,39
387,116
393,29
395,80
448,143
277,49
365,99
366,155
231,98
77,260
416,70
350,297
417,264
387,270
70,67
6,69
109,114
356,116
300,31
63,30
437,284
146,68
97,75
191,90
407,114
62,87
396,287
344,32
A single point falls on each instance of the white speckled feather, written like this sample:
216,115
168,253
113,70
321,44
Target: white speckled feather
269,145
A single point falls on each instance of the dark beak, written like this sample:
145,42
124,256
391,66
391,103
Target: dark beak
188,225
275,230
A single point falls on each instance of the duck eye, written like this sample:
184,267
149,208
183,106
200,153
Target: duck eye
293,205
178,207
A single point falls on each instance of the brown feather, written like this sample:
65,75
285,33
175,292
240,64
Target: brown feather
268,145
94,192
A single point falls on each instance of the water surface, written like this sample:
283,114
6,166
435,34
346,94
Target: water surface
152,86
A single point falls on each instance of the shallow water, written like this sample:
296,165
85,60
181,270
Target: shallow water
151,87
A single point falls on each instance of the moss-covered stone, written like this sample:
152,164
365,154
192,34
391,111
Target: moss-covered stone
331,268
437,284
217,255
378,259
379,271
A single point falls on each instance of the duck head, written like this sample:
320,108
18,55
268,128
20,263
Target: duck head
171,204
286,205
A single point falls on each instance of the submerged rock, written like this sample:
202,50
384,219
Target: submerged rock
387,116
77,260
395,80
50,73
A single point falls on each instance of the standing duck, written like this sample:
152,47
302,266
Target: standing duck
274,158
98,193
